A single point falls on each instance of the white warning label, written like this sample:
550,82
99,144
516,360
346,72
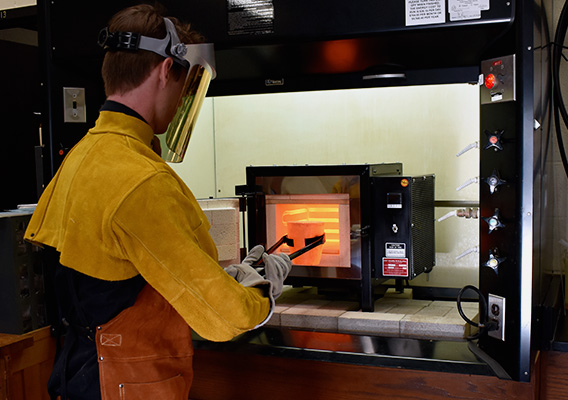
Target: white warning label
423,12
466,9
395,250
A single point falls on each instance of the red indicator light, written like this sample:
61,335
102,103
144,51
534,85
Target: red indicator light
498,62
404,182
61,152
490,81
493,139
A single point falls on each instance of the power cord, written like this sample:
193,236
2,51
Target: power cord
484,323
483,326
558,104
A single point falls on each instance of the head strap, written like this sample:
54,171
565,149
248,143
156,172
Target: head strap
170,46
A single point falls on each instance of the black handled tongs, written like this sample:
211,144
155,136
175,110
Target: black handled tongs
311,243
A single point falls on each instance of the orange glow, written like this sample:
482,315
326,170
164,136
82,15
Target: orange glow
328,214
322,340
341,55
305,217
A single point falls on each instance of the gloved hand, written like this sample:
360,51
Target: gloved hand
276,268
244,273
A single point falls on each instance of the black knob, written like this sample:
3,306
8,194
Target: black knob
494,140
494,260
494,181
494,221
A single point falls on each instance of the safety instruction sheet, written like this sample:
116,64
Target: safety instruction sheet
425,12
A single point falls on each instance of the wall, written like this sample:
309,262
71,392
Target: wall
8,4
422,127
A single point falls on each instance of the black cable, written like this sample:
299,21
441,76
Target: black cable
483,325
491,363
559,106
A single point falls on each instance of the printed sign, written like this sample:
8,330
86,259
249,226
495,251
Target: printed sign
395,250
395,267
466,9
423,12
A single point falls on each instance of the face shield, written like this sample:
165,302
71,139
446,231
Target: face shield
198,59
201,71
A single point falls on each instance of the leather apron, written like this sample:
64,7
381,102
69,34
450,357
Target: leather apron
145,352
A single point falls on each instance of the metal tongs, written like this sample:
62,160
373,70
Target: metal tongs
311,243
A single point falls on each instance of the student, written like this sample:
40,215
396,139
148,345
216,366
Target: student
135,267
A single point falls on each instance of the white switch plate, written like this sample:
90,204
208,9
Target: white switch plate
74,105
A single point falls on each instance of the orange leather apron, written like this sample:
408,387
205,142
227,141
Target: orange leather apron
145,352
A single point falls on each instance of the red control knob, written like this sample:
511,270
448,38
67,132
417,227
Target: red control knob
490,81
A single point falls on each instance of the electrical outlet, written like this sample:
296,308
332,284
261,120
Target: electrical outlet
496,313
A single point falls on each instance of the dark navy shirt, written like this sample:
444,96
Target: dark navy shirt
83,303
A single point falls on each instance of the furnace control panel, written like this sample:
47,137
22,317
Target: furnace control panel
402,226
498,79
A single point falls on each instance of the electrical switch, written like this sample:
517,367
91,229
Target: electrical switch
495,260
494,140
74,105
499,80
494,181
490,81
494,221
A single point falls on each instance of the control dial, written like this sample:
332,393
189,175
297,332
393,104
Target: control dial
494,140
494,260
494,221
494,181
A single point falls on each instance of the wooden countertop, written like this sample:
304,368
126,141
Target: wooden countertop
10,344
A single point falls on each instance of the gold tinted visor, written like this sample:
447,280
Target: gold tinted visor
201,72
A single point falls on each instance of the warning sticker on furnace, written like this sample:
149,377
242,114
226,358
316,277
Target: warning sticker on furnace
467,9
395,267
423,12
395,250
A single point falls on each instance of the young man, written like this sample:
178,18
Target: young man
136,268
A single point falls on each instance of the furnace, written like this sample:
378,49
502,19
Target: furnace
375,224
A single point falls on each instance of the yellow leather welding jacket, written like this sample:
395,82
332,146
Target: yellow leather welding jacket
115,209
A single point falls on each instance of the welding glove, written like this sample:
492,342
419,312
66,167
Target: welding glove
244,273
276,269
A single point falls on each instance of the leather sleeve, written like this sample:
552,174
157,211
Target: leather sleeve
164,233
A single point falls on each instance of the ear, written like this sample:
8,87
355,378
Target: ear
165,72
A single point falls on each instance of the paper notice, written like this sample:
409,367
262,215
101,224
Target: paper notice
423,12
466,9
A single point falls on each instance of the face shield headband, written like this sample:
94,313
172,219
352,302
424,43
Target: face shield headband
170,46
198,59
